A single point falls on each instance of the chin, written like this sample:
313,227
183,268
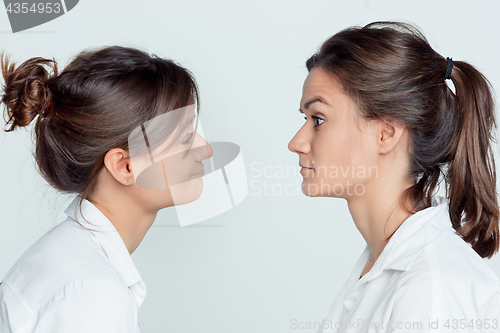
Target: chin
187,192
307,192
313,188
321,188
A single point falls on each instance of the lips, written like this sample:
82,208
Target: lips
304,168
199,173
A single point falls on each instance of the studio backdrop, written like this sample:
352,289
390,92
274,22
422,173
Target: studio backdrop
269,259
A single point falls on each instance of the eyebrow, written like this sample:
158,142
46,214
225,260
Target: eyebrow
313,100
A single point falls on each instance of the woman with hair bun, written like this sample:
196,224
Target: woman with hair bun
378,107
79,276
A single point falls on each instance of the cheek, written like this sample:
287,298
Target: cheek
178,168
332,147
187,165
363,158
342,155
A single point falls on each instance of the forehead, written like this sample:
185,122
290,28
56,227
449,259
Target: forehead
321,83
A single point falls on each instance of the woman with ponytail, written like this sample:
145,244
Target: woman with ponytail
79,276
377,100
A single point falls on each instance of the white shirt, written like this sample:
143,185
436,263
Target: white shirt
427,279
73,280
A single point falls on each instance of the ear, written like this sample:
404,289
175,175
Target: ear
117,161
389,135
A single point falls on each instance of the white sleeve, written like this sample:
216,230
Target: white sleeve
412,310
489,314
99,306
439,308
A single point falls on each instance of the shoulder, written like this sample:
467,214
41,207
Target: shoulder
455,264
449,278
64,256
81,306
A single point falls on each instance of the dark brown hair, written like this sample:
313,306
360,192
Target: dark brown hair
391,71
91,107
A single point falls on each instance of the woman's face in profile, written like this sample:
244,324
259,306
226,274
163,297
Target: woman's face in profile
178,168
334,143
184,168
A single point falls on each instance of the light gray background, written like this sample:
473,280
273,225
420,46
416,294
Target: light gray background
275,257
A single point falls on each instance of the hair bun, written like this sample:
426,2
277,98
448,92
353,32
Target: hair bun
26,94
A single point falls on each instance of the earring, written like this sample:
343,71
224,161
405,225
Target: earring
128,180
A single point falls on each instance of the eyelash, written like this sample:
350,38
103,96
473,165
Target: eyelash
315,118
188,139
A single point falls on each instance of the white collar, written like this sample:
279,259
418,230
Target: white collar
410,239
108,237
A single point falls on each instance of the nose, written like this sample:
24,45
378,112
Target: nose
203,149
299,143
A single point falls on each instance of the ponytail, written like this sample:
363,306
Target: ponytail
471,174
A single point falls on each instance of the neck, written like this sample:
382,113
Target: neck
378,213
129,218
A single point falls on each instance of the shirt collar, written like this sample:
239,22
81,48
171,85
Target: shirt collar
410,238
108,237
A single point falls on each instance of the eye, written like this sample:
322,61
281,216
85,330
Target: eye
305,117
188,140
316,119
